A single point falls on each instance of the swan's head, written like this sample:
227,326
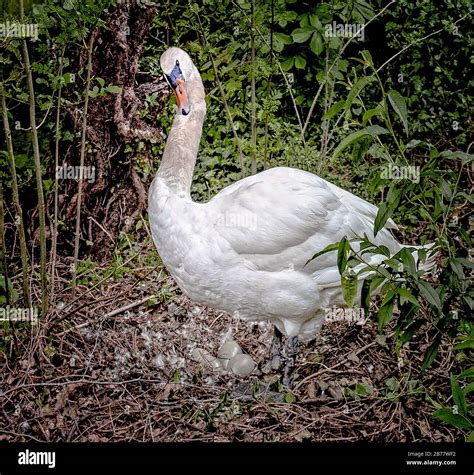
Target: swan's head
178,69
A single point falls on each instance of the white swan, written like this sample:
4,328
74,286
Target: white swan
245,250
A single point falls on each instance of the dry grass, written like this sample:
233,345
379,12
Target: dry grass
94,371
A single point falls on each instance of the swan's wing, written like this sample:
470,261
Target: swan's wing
281,217
359,205
271,211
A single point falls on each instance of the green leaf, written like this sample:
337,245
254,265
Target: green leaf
406,256
317,43
315,22
387,208
468,344
335,42
277,46
384,250
468,389
413,144
300,62
406,296
290,397
288,64
377,281
390,295
285,39
393,384
364,8
470,437
176,376
68,5
400,107
22,160
357,88
430,294
468,373
280,40
464,195
333,110
374,130
469,301
365,295
465,157
329,248
367,57
300,35
384,315
349,288
413,328
422,255
445,189
458,396
355,136
457,268
378,111
363,389
455,420
113,89
342,251
67,78
431,353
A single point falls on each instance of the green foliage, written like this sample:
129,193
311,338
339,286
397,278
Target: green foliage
442,309
432,73
290,36
103,90
4,291
460,414
371,131
61,25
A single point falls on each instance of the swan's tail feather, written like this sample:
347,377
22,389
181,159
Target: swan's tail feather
429,263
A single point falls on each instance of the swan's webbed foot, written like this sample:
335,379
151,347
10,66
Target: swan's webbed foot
291,350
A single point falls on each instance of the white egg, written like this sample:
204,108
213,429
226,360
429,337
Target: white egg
205,358
242,365
227,351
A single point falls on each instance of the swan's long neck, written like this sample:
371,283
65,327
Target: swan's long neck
179,156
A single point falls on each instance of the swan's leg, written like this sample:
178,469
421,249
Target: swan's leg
291,351
283,353
273,363
276,350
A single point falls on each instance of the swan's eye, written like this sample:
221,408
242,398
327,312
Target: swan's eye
177,63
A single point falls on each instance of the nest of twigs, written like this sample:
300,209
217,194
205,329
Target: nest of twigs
114,365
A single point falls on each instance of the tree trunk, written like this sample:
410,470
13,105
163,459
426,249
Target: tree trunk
117,196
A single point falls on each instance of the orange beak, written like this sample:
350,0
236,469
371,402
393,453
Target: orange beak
181,97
